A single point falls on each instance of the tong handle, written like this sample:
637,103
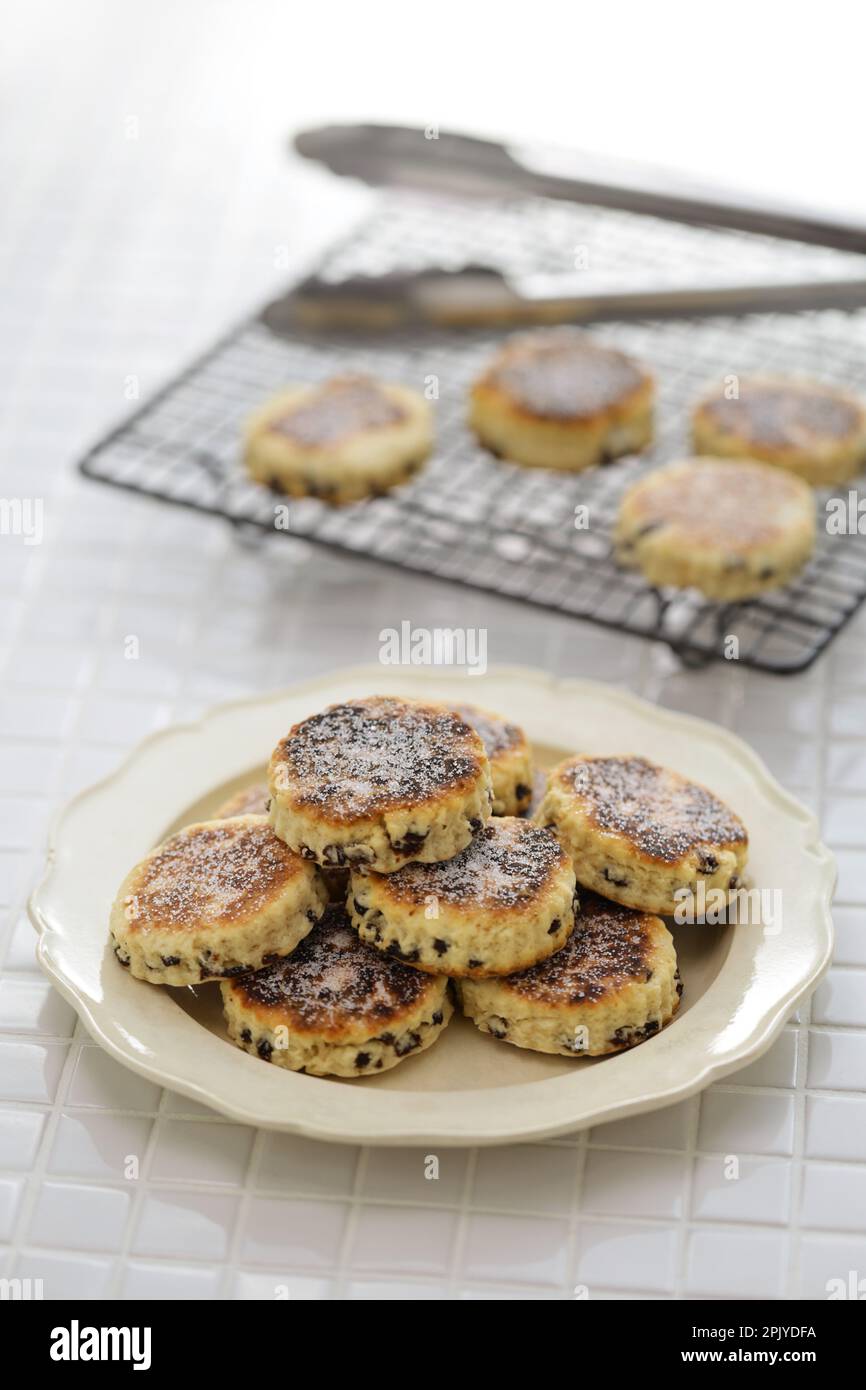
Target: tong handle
450,163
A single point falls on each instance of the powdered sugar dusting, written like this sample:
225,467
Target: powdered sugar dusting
373,755
338,409
217,871
664,815
496,734
610,945
779,414
251,801
506,864
563,375
333,978
739,503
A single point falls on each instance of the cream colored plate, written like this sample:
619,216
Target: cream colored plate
741,983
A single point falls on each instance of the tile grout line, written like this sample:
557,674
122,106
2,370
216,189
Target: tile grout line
458,1246
342,1273
599,1217
574,1215
854,1238
235,1245
105,614
793,1273
35,1180
684,1227
798,1159
139,1193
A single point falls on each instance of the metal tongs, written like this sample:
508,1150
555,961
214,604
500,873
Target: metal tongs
460,165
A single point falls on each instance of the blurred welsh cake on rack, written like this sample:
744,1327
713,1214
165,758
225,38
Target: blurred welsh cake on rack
346,439
557,399
811,429
732,528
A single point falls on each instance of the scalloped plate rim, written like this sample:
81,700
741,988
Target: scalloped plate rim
759,1039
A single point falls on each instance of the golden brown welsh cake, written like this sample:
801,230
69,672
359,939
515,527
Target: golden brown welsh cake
732,528
502,903
218,899
807,427
509,757
378,782
557,399
249,801
539,790
613,984
639,834
256,801
341,441
336,1007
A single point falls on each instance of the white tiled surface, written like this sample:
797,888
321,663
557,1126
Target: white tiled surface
118,258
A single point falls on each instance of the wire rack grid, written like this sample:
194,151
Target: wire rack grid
529,534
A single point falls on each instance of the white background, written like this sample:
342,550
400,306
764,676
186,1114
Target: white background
757,94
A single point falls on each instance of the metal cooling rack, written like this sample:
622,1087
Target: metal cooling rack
474,520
